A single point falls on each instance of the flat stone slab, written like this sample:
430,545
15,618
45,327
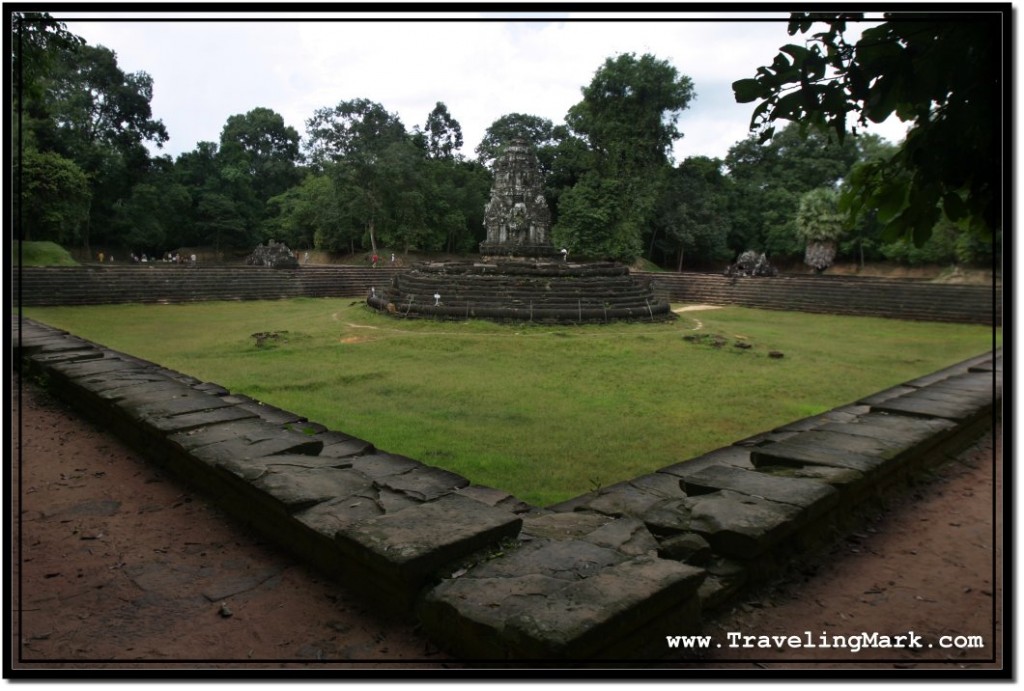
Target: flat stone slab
84,353
94,367
423,483
952,407
300,488
813,496
739,525
188,421
537,616
895,429
250,430
738,456
410,544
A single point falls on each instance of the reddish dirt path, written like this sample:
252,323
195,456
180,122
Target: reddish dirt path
117,566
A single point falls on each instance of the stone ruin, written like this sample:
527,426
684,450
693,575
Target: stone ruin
751,263
517,217
521,276
275,255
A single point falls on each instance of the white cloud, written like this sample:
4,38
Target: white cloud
205,71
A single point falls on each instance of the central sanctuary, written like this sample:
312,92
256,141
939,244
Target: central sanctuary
521,276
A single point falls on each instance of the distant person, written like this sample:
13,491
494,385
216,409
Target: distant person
305,258
375,260
392,257
101,257
565,254
192,260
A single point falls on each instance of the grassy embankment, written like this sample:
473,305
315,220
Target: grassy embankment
41,254
544,412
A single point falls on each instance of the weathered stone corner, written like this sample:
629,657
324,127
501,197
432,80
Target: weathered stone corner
606,575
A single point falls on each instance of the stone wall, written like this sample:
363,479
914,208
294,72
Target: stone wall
605,575
822,294
899,299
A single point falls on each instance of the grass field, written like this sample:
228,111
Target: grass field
543,412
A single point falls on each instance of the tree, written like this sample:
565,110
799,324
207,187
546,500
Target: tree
692,219
443,132
940,72
39,42
356,129
769,179
627,119
260,143
56,198
819,225
96,115
536,131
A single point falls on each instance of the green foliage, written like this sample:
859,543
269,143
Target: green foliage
770,178
55,200
536,131
942,73
692,219
627,119
818,218
41,253
443,133
527,408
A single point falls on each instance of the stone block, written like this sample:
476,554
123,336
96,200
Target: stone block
787,454
738,456
564,525
397,552
741,526
689,548
423,483
617,610
299,488
812,496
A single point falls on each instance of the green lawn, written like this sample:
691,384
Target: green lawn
543,412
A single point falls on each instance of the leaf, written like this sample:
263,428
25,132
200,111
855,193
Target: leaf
747,90
953,206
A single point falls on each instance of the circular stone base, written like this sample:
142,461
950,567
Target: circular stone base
522,290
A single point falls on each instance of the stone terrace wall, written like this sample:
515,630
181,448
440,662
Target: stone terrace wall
822,294
607,575
169,283
899,299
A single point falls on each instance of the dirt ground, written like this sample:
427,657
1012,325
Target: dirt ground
116,566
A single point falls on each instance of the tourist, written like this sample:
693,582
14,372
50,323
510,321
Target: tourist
392,257
375,260
101,257
565,255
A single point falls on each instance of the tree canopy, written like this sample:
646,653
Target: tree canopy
942,73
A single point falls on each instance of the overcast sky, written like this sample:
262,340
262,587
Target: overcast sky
482,66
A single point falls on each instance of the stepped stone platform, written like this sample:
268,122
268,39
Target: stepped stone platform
169,283
606,575
522,290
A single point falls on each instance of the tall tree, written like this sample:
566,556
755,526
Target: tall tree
357,129
261,143
692,219
820,226
769,179
443,132
536,131
627,119
941,72
55,198
96,115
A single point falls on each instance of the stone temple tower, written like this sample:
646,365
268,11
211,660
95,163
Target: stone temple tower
517,217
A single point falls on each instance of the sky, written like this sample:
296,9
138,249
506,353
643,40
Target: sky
208,67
